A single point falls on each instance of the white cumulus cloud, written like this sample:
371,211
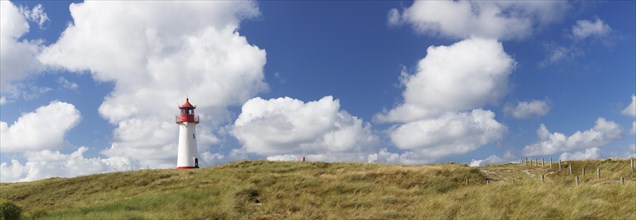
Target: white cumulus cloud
534,108
630,110
133,137
286,126
491,19
36,14
442,113
156,60
284,157
67,84
586,28
603,132
452,133
43,129
492,159
47,163
590,153
408,157
558,53
462,76
394,17
18,57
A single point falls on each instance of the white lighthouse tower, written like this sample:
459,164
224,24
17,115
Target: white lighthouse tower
188,156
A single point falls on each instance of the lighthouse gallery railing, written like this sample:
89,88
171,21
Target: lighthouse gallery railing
187,118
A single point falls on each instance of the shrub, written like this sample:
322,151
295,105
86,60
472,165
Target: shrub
8,210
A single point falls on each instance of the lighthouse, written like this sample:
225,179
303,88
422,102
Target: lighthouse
187,157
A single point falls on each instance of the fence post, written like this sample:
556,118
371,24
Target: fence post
631,164
570,166
487,182
542,162
550,162
542,178
559,165
622,180
598,172
583,171
466,181
577,180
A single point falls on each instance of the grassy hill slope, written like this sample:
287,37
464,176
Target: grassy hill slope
308,190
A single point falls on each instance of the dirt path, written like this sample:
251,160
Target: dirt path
509,174
489,174
498,175
528,173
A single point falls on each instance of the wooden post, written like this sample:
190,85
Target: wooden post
598,172
542,178
487,182
526,162
583,171
577,180
542,162
570,166
622,180
559,165
550,162
631,164
466,181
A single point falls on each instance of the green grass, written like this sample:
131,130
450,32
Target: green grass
310,190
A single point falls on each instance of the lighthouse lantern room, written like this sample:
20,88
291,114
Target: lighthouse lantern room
187,157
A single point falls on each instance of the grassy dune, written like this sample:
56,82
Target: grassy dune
309,190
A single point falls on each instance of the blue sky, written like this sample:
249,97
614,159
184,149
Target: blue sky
373,81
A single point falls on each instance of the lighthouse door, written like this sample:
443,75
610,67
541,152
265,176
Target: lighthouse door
196,162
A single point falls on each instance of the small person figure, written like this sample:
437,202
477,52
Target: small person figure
302,159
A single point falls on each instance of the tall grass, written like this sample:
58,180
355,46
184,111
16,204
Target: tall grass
274,190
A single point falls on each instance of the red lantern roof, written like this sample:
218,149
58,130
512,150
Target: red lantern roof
187,105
